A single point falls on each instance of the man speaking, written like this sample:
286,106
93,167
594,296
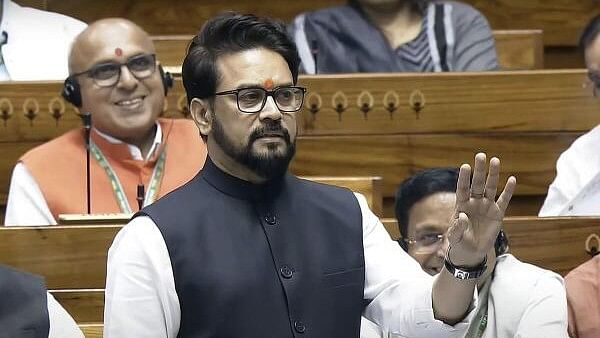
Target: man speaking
246,249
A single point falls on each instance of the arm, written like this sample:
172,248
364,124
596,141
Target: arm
62,324
26,204
141,300
546,313
475,48
473,231
398,289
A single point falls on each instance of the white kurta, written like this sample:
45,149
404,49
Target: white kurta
38,43
27,205
62,324
141,300
575,169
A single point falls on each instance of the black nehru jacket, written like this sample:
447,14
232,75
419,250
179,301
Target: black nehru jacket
23,305
280,260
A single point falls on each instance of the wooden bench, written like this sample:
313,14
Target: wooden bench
387,125
517,49
73,258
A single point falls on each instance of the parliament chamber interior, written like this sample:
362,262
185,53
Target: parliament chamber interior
367,131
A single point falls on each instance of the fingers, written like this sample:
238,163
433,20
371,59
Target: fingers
479,174
491,184
463,185
507,194
456,232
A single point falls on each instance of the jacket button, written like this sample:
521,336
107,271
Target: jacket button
299,326
270,219
286,272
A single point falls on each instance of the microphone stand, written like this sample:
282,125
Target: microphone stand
87,124
314,50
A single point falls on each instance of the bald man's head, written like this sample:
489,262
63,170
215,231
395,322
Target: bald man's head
103,34
113,61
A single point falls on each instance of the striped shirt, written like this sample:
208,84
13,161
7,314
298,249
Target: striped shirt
453,37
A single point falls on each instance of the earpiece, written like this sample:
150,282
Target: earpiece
71,92
167,79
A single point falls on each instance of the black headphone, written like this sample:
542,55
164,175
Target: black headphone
72,93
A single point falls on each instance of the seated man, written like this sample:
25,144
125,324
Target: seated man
395,36
27,310
115,77
516,299
576,188
34,44
583,295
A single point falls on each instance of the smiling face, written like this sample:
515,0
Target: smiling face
129,108
264,142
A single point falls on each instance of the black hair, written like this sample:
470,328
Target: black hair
424,184
230,33
589,34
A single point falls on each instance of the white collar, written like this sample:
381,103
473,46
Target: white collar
135,152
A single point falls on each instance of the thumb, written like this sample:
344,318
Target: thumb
456,232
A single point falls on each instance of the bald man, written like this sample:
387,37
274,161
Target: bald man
114,75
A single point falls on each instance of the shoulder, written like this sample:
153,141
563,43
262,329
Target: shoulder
583,146
67,145
462,11
48,19
585,275
332,18
510,271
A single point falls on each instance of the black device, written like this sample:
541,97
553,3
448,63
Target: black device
87,124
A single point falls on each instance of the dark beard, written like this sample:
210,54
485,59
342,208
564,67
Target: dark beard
268,166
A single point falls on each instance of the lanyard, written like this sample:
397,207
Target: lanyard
155,180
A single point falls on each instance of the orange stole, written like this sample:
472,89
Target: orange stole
58,167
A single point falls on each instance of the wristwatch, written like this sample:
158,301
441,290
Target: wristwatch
464,272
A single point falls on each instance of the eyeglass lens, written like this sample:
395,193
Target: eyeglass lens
252,100
108,74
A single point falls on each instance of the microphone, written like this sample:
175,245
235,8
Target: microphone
140,196
314,50
87,125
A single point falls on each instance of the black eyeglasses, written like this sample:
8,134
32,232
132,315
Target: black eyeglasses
252,100
108,74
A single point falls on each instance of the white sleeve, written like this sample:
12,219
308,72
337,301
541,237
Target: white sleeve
62,324
546,312
140,298
26,204
398,289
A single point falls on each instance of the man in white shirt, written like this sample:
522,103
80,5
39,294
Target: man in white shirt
114,76
576,188
34,44
246,249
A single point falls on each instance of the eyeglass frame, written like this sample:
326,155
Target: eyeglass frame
267,94
594,79
413,241
120,64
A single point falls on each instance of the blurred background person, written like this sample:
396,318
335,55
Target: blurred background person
516,299
34,44
395,36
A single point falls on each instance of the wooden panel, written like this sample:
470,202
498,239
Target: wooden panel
70,257
182,16
520,49
531,157
554,243
517,49
561,20
92,330
171,49
449,103
370,187
84,305
563,58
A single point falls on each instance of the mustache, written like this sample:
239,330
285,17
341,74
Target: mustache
269,129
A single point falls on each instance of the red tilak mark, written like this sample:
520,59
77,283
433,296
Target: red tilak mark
268,84
118,51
